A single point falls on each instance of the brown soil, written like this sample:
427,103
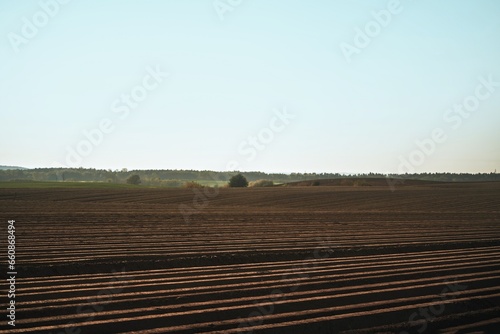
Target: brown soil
422,258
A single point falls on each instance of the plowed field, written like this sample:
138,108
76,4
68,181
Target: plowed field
420,259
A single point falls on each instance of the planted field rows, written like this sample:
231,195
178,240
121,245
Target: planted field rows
282,260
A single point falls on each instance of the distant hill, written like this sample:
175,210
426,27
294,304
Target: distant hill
10,167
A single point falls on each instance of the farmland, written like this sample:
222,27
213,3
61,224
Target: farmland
328,259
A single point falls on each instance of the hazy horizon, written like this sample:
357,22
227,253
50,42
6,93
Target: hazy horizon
4,167
281,87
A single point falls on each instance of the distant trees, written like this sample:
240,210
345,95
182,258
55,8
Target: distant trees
177,178
134,179
238,180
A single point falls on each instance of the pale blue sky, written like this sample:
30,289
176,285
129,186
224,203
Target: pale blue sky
227,76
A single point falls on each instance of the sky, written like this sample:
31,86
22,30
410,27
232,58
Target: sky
274,86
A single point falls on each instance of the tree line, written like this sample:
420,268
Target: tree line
177,178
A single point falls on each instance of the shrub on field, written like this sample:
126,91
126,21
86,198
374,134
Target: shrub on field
261,183
238,180
134,179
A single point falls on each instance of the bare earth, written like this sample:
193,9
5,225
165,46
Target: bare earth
424,258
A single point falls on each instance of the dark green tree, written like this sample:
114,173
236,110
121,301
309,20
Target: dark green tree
238,180
134,179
